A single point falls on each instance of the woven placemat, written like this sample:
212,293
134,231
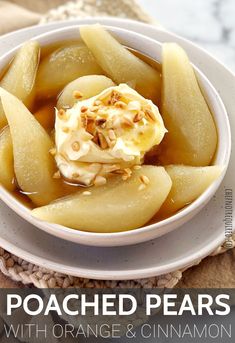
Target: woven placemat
29,274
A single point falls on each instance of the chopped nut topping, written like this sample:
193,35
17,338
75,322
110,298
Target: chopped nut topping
57,175
115,97
127,174
97,102
100,180
120,104
62,114
150,115
128,171
86,193
95,108
137,167
141,187
126,122
65,130
95,139
83,109
90,114
76,146
138,117
112,135
144,179
90,126
118,171
77,95
102,141
75,175
102,113
100,121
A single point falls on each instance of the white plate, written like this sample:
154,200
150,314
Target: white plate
176,250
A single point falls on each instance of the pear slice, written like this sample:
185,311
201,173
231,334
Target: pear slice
188,183
63,66
33,164
192,137
88,86
6,160
19,80
117,206
120,64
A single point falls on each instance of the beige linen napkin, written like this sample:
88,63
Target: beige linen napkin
217,271
14,17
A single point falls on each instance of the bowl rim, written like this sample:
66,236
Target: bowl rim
83,237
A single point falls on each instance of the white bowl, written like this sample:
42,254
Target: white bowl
152,49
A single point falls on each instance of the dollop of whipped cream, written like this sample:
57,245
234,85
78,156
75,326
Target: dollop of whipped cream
106,134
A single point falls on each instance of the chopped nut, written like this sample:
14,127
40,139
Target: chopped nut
118,171
120,104
76,146
137,167
109,142
77,95
83,120
128,171
95,139
83,109
100,121
115,97
97,102
144,179
126,122
90,114
57,175
62,114
75,175
150,115
65,130
102,113
141,187
94,108
138,117
86,193
90,126
112,135
100,180
127,174
102,141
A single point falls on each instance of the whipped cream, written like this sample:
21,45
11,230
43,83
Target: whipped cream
108,133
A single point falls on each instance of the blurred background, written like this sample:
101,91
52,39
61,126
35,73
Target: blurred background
209,23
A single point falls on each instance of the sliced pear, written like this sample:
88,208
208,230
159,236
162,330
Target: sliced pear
120,64
188,183
88,86
19,80
6,160
192,137
33,164
117,206
63,66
